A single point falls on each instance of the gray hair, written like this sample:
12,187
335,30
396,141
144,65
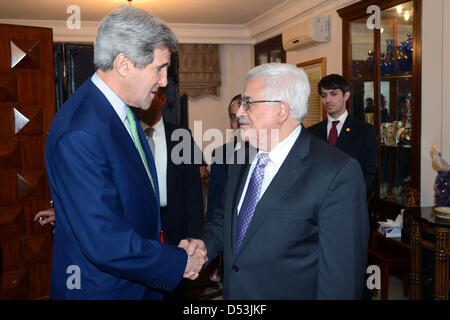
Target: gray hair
284,82
133,32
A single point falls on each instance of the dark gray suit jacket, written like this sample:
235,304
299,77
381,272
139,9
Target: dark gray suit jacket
309,234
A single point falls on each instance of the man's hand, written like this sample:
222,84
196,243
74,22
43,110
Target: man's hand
197,257
45,216
191,245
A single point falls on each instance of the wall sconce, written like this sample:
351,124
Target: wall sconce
399,9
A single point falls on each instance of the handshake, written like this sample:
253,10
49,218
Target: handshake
197,257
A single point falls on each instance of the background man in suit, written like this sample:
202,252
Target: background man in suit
349,134
219,159
102,175
294,222
222,157
180,186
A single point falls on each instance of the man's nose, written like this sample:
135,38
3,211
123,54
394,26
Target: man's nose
240,112
163,80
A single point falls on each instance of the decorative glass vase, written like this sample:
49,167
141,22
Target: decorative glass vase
389,60
402,59
407,48
383,64
370,61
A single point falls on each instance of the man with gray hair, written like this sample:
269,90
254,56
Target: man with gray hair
102,176
294,222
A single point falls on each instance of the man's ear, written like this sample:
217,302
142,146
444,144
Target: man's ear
284,112
122,64
347,96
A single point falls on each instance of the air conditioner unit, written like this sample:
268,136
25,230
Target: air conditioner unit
306,33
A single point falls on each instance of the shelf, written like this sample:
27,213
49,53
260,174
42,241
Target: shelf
383,77
396,146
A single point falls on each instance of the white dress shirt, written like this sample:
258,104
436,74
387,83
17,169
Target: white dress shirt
160,156
341,119
118,105
277,156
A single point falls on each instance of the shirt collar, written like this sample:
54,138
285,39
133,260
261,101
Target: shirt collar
341,118
157,127
119,106
237,145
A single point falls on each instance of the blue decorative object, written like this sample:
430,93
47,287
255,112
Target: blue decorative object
383,64
370,61
409,50
402,59
393,62
443,188
390,59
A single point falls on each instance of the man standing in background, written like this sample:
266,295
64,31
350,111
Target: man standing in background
349,134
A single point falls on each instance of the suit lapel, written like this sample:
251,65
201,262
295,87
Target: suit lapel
288,173
238,174
149,158
345,133
123,138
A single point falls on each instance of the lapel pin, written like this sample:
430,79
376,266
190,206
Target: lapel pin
347,129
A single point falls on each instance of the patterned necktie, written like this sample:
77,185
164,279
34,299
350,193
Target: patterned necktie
332,137
149,133
251,198
137,143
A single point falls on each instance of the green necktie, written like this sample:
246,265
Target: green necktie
137,143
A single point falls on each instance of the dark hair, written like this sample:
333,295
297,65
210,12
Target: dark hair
235,98
333,81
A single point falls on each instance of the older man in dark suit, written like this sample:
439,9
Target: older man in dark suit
293,223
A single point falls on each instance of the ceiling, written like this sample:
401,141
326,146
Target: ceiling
238,12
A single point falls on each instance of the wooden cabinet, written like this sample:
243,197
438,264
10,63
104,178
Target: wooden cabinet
429,237
383,67
270,50
27,107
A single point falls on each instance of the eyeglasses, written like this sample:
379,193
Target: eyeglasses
246,103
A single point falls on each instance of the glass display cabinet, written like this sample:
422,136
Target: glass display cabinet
383,67
270,50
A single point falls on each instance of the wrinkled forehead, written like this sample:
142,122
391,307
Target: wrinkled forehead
254,87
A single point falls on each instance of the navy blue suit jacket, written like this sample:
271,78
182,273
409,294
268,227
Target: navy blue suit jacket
107,214
184,215
358,139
